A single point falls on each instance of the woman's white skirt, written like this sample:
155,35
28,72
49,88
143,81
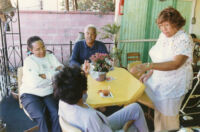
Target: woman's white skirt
168,106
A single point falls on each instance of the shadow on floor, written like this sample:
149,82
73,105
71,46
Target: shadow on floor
17,121
13,116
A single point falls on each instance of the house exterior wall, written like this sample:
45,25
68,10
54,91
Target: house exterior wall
53,28
59,27
138,24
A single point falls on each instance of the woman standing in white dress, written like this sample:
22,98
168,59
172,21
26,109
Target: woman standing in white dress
170,75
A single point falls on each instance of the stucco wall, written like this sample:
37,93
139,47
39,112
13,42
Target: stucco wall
59,27
53,28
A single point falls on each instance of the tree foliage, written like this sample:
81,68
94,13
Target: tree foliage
102,6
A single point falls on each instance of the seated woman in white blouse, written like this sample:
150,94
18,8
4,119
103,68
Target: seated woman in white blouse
70,88
36,90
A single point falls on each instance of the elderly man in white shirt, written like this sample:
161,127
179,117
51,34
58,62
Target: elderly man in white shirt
36,90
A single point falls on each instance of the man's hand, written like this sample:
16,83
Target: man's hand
42,76
86,67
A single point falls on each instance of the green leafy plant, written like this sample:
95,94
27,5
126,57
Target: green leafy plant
110,31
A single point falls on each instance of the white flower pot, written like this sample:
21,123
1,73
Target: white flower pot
99,76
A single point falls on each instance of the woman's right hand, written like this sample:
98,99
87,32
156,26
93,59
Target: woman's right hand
146,76
42,76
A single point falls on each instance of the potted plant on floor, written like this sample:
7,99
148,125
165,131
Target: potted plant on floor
110,31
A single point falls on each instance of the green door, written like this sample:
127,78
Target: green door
139,31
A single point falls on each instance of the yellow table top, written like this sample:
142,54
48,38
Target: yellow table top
125,89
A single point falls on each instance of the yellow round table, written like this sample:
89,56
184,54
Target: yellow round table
124,87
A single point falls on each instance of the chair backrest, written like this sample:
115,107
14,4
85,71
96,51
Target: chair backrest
66,127
133,56
19,80
196,40
132,64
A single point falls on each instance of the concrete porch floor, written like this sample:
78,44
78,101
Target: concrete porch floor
17,121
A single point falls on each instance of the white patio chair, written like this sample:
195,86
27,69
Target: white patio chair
19,79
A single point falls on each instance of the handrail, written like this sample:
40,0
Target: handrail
68,47
150,40
138,40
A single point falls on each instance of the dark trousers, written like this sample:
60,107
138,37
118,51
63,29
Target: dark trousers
36,107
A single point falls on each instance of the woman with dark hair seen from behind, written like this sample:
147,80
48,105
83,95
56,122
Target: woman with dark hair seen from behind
70,87
36,90
170,74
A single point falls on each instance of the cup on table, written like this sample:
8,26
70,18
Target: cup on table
105,91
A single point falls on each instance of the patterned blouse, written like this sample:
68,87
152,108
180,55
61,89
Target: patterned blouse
174,83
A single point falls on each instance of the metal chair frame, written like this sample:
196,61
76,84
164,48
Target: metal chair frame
191,95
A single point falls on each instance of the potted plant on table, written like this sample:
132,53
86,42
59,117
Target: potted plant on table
101,64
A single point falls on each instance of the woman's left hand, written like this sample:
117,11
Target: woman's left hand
58,68
146,76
